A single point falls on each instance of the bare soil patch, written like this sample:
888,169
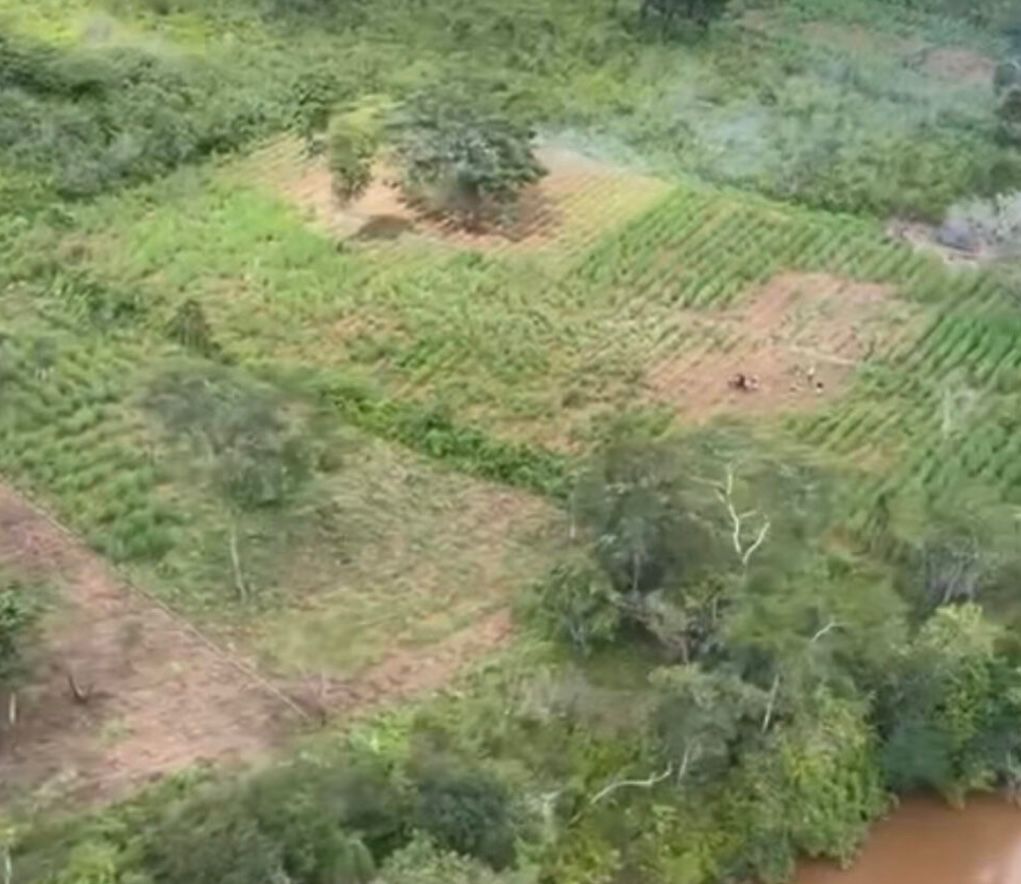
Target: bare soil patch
431,554
960,66
795,341
406,674
856,38
161,697
578,196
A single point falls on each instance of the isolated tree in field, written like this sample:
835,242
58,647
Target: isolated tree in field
462,161
190,328
248,448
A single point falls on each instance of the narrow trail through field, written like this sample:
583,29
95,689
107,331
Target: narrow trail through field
160,695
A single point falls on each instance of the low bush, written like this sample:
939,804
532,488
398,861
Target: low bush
351,144
467,811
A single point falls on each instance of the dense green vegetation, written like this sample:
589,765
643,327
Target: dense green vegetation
741,642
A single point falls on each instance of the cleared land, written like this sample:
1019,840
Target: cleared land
122,690
617,291
158,696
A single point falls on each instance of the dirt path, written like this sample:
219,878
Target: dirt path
163,697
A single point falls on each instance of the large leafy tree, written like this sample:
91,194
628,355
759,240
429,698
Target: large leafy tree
812,788
462,160
946,711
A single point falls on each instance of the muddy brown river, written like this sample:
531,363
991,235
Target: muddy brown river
927,842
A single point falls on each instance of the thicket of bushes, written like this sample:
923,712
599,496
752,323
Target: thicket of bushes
76,122
80,122
709,710
340,821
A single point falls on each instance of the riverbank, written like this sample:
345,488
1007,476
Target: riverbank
926,841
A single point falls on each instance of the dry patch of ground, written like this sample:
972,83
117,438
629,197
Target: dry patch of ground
959,66
409,556
405,674
418,592
577,200
953,65
856,38
161,697
794,341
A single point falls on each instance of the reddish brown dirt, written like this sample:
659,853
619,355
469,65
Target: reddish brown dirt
382,213
406,674
578,197
959,66
162,696
797,341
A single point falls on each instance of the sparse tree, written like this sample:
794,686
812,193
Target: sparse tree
576,603
248,447
634,504
190,328
352,143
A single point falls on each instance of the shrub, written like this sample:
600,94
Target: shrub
575,603
351,146
190,328
421,862
467,811
259,832
17,614
88,120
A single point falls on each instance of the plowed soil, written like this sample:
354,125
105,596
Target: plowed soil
795,341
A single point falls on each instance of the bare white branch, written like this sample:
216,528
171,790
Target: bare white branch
768,717
763,534
829,627
638,784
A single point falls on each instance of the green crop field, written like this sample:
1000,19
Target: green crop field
338,441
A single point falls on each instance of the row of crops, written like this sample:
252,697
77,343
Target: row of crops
937,403
67,434
512,347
